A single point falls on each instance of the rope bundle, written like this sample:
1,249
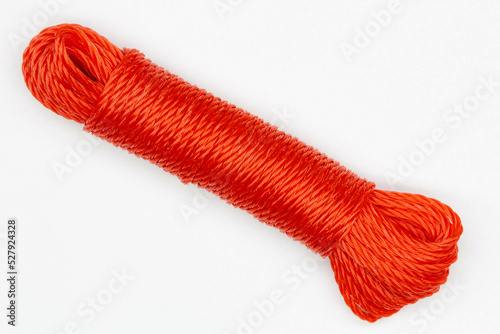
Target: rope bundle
387,249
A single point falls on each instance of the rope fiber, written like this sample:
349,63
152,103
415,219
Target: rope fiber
387,249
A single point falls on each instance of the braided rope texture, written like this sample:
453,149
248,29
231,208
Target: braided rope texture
387,249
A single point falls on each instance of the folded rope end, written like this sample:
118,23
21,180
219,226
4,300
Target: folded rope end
66,66
398,251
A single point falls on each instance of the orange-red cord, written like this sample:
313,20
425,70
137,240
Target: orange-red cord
387,249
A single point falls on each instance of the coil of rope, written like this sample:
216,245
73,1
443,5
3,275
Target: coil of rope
387,249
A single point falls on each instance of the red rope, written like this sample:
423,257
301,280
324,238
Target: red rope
387,249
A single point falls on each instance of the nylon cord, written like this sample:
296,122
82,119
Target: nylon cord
387,249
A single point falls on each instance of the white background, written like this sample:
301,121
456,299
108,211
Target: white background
203,274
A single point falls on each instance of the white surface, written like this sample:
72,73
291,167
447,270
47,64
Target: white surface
115,211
